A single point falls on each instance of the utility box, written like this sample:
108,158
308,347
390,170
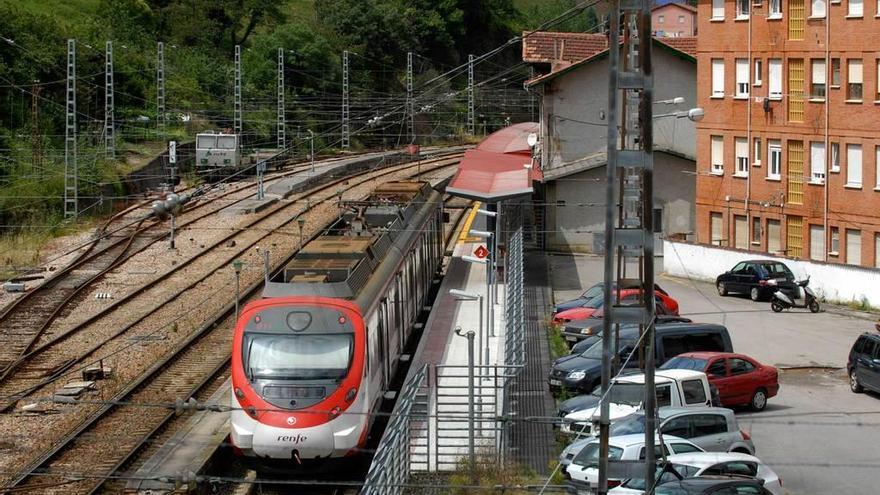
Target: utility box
13,287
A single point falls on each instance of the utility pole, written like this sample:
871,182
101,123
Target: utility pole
282,135
109,142
532,96
237,110
629,211
71,188
345,123
410,104
36,132
470,93
160,87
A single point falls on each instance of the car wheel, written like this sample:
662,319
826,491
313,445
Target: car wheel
776,307
854,384
759,400
814,306
755,294
722,289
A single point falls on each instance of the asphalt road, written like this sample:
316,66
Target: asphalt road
816,434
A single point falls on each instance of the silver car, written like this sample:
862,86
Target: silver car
714,429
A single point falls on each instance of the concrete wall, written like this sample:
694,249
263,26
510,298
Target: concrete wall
840,283
578,224
574,107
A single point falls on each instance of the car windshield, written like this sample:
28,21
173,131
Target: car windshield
684,363
624,393
777,270
628,426
663,476
593,291
589,455
595,351
298,357
595,302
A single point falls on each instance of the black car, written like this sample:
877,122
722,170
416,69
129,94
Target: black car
863,365
750,277
581,372
589,294
713,485
576,331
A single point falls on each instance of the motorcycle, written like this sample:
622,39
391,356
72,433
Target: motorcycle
793,295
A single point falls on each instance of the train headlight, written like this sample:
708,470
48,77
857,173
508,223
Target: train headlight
299,320
350,395
334,413
239,393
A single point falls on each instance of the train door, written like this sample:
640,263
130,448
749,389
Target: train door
383,357
399,320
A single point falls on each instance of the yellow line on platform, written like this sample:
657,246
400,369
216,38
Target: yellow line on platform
464,237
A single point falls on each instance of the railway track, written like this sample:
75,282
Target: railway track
26,320
182,372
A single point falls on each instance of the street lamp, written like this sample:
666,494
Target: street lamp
694,114
672,101
470,296
471,451
236,265
490,275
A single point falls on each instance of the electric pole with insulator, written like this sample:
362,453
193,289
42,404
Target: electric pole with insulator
160,87
470,95
282,133
345,117
71,189
237,110
109,141
410,104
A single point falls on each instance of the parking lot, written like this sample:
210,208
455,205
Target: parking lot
816,434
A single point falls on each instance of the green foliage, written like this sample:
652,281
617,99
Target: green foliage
537,12
491,472
558,346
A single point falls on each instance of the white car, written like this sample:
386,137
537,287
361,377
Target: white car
585,464
709,463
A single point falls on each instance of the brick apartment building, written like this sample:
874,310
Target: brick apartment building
674,20
788,155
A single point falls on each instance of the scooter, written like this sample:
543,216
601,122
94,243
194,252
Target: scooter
803,297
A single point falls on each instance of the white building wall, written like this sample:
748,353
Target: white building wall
834,282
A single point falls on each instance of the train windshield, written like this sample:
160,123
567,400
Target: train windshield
226,142
298,357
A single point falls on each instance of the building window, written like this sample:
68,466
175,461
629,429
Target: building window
759,69
854,165
717,78
774,237
717,155
853,247
817,162
742,78
775,9
854,80
742,9
775,74
717,9
757,158
660,19
716,229
795,236
855,8
818,8
740,232
681,19
796,90
877,96
795,171
796,19
835,72
877,168
835,157
835,241
817,82
741,147
817,243
756,230
877,239
774,155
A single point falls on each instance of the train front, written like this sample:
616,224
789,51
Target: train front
297,368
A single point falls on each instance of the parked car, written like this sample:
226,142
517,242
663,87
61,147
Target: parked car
709,464
675,388
713,428
664,304
590,329
581,372
751,277
740,380
584,465
590,293
715,485
863,365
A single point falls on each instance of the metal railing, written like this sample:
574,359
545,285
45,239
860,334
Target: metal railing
514,335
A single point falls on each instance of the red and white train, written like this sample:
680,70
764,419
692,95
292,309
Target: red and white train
312,360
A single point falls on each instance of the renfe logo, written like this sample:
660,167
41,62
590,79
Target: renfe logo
291,420
294,439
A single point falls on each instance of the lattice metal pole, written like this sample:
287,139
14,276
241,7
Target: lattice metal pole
160,86
237,110
470,94
628,212
532,96
109,141
282,134
410,104
71,189
345,122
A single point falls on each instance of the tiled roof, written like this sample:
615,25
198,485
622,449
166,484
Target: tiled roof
676,4
686,44
564,48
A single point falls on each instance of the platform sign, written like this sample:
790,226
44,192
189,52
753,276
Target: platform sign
481,252
172,151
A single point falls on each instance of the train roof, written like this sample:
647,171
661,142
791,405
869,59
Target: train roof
341,262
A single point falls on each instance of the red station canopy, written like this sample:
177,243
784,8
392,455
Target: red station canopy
496,169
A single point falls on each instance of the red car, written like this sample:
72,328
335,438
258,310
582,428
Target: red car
740,380
669,306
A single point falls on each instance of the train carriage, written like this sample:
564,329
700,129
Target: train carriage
312,360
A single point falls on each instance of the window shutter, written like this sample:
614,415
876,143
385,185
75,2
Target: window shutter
817,160
717,77
742,70
717,150
818,72
854,164
818,8
817,243
775,77
855,72
855,7
741,231
718,9
742,147
853,247
773,236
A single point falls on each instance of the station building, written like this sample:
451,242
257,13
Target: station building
788,155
